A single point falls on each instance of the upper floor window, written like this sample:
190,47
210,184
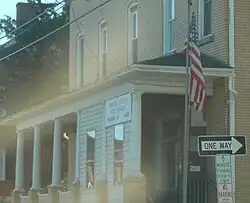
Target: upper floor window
79,60
205,17
90,159
103,48
169,17
133,34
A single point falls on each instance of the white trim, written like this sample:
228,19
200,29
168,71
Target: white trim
132,6
180,90
213,72
231,34
231,85
98,87
3,165
201,19
121,83
73,107
79,60
166,28
102,26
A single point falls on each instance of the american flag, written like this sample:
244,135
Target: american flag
197,80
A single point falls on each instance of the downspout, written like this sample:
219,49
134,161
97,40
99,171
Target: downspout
231,84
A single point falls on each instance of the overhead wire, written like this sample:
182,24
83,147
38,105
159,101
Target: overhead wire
75,20
54,31
27,29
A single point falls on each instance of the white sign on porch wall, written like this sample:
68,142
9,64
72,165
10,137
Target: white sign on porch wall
118,109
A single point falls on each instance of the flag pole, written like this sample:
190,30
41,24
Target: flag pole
187,117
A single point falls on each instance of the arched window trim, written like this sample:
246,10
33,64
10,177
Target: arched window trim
80,56
102,26
132,10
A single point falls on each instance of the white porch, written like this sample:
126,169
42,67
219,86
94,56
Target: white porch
91,108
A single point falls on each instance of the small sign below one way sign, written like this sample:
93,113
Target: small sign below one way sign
225,193
215,145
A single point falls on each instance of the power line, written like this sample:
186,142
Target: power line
54,31
78,26
27,29
30,21
85,42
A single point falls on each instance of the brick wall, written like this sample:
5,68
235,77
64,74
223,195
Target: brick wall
150,46
150,42
242,61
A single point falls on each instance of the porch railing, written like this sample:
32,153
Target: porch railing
201,191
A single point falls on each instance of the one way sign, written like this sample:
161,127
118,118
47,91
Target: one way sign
215,145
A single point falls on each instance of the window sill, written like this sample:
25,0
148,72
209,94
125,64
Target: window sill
170,52
206,39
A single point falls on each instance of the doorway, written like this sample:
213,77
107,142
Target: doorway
161,145
170,161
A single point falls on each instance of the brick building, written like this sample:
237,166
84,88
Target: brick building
127,83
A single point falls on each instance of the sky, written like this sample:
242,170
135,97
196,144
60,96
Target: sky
10,10
10,7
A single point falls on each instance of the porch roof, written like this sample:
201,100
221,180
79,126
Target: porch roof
178,59
134,72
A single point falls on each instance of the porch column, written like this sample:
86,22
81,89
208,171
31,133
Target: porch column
77,156
76,185
36,158
134,185
56,166
71,158
19,176
19,162
36,176
135,140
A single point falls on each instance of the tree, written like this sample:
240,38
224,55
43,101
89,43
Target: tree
7,26
39,72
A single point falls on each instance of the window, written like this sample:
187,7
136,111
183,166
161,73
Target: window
169,17
205,18
79,60
133,34
90,159
2,165
103,48
118,153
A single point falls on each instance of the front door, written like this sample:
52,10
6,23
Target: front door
170,161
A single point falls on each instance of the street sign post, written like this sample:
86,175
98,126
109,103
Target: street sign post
223,147
225,193
223,169
224,179
215,145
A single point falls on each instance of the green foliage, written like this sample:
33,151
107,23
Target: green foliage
7,25
37,73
